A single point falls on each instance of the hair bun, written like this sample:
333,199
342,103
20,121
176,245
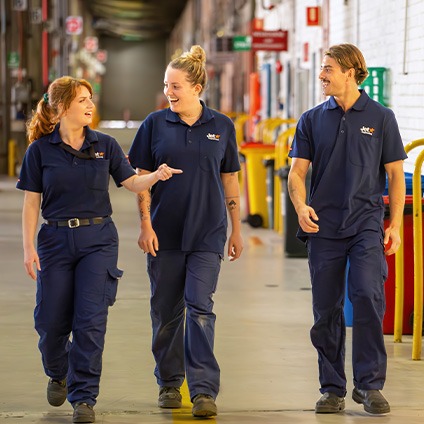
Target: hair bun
197,53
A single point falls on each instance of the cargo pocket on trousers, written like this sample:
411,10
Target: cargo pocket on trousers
113,275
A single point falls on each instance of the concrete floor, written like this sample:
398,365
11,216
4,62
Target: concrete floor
263,306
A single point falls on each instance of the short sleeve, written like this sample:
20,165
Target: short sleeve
120,168
140,154
30,177
230,161
393,149
301,146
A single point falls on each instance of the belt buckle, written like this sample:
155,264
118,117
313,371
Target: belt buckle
73,223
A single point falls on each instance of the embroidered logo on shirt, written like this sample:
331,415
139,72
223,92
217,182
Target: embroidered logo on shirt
367,130
99,155
214,137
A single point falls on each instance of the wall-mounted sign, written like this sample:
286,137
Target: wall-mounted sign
13,60
242,42
101,56
20,5
74,25
36,15
272,41
313,16
91,44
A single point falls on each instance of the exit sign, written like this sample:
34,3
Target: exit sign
242,42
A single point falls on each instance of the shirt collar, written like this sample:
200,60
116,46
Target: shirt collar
360,104
206,116
362,101
90,136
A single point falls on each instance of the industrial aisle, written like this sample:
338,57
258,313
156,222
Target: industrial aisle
263,307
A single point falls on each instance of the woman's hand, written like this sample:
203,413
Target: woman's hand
164,172
235,246
31,257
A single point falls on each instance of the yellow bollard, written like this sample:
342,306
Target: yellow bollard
418,258
11,158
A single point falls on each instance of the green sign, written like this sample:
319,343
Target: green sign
242,42
13,60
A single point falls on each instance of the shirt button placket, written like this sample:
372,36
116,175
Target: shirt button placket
343,121
189,135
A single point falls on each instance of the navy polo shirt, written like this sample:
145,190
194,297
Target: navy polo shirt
188,211
73,187
348,151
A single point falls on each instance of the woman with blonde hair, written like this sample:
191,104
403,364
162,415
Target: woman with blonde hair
66,172
184,230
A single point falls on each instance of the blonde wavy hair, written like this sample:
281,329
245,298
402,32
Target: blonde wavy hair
193,63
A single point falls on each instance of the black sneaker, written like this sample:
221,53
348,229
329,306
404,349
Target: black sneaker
169,397
329,403
57,390
204,406
83,413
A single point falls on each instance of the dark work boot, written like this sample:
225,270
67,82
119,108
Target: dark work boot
329,403
57,391
373,401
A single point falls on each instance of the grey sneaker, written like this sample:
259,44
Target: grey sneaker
169,397
329,403
83,413
204,406
57,390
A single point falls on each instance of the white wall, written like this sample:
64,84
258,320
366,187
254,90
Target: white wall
378,28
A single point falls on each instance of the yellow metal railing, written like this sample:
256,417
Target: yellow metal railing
418,258
239,122
271,126
258,133
418,255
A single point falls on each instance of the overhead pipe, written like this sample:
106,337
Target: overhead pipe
405,37
45,46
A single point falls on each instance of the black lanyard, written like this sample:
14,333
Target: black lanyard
77,153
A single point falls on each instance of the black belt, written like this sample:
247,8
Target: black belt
78,222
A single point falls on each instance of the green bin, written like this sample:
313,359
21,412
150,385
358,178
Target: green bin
377,85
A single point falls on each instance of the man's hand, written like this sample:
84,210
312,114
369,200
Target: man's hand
305,213
391,235
148,241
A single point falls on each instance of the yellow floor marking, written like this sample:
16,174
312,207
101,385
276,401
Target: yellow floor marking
183,415
255,240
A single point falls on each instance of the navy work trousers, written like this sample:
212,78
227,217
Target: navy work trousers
179,281
365,281
76,285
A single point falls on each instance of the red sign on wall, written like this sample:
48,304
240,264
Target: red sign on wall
74,25
313,16
306,52
91,44
271,41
